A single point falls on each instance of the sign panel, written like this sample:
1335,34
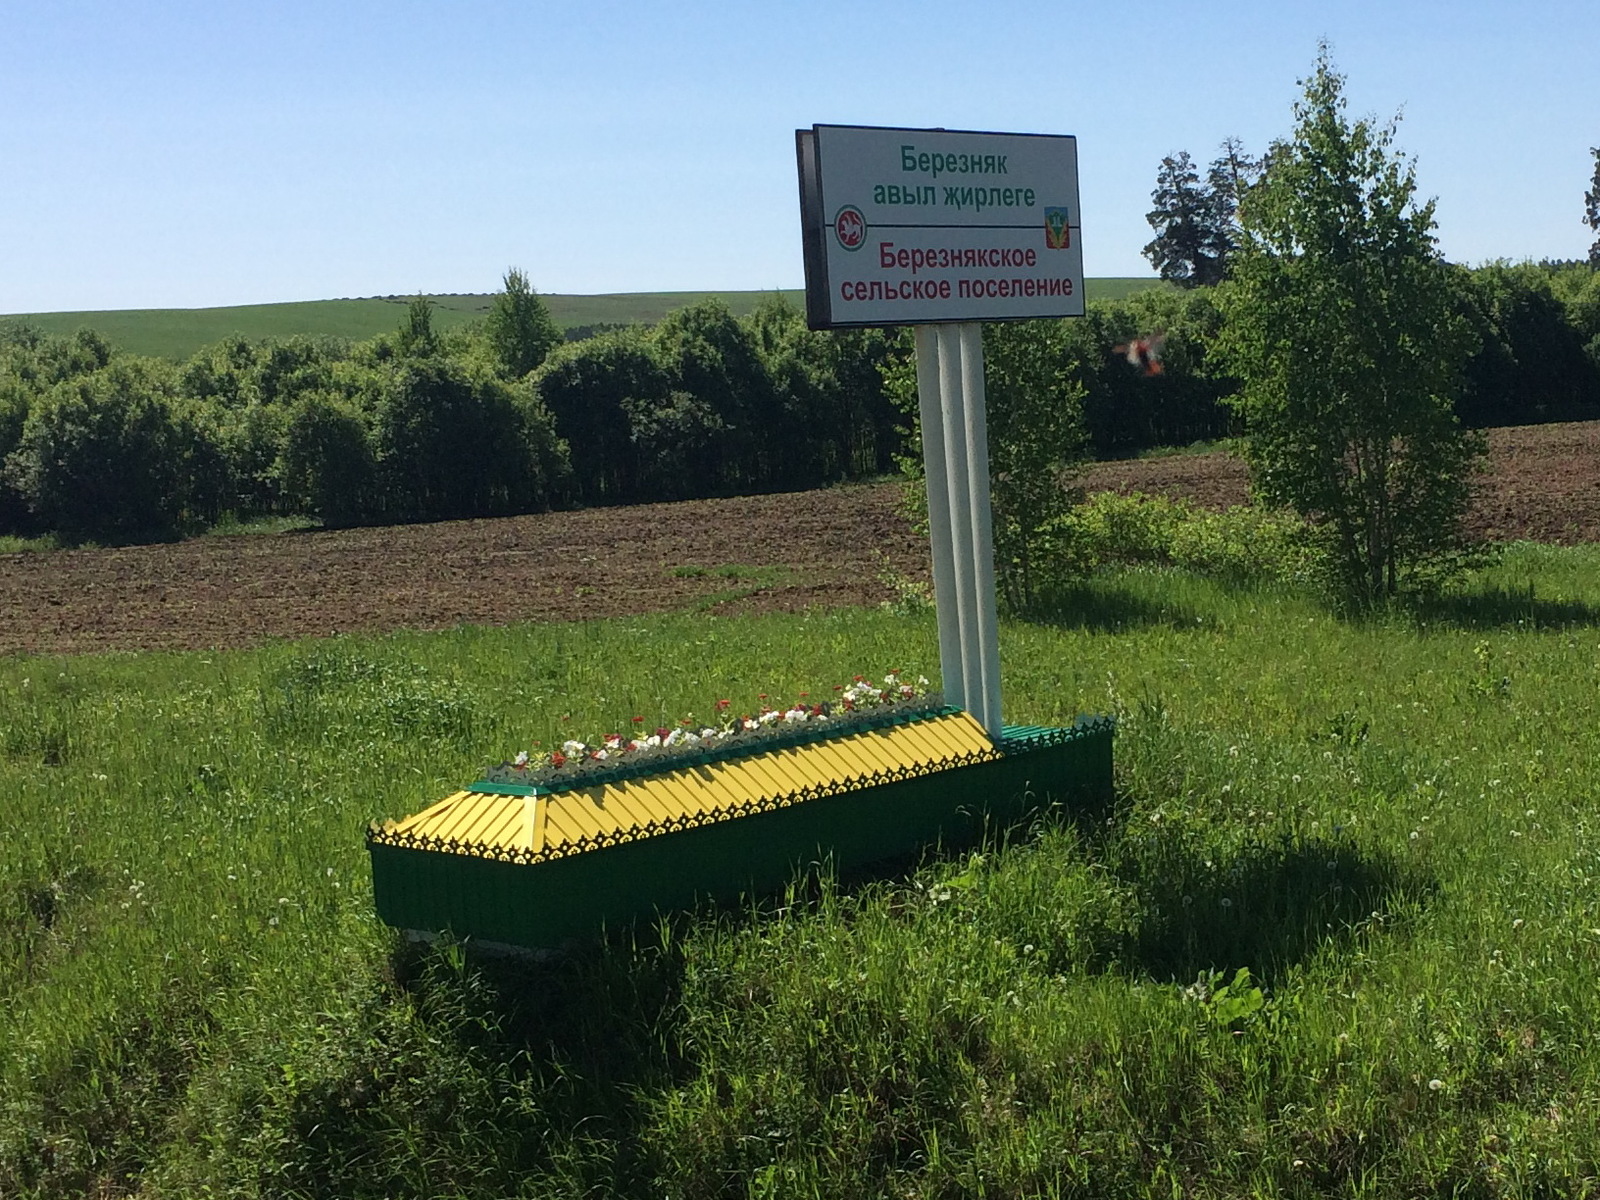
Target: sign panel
917,226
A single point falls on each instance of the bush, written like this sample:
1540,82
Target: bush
589,389
326,467
1033,379
1530,364
109,455
451,442
1242,544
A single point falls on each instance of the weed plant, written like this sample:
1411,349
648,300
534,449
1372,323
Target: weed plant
1338,936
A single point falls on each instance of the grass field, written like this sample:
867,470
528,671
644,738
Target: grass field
1390,826
177,333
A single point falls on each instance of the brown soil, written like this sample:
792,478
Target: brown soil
763,553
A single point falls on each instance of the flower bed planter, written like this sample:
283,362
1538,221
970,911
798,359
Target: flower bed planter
535,866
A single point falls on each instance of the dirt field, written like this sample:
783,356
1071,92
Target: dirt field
785,552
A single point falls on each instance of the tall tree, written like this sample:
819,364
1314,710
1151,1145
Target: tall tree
520,329
1231,172
1591,208
1196,224
1342,326
1186,247
416,336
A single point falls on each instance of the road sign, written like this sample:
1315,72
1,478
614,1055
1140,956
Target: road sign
920,226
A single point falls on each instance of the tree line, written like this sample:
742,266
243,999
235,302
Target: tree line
507,416
503,417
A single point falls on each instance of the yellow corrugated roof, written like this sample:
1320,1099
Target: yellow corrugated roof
676,798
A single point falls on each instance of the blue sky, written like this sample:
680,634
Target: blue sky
184,155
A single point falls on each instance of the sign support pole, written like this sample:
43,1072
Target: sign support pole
955,447
938,483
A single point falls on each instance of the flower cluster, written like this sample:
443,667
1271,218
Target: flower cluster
849,704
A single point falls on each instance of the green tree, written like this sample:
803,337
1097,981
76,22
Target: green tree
1196,224
1033,372
1343,327
112,455
416,337
708,354
594,390
326,467
520,329
1591,208
1033,381
1184,249
1530,363
452,442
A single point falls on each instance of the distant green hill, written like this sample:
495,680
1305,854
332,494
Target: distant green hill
177,333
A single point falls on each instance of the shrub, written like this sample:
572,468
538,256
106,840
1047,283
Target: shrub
108,455
326,467
1243,544
453,442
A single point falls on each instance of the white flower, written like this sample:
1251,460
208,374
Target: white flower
795,714
521,760
572,747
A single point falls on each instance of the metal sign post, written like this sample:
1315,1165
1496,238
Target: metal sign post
942,230
955,453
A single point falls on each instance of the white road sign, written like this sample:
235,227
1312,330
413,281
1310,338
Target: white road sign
916,226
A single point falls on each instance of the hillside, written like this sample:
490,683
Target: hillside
176,333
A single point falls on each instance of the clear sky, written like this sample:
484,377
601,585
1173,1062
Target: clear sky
181,154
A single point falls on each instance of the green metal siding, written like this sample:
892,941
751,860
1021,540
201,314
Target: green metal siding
546,903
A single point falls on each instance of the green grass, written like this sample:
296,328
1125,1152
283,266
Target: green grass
1390,825
1211,446
176,333
12,544
231,525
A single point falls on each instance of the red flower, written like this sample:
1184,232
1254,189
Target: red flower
558,759
722,704
638,720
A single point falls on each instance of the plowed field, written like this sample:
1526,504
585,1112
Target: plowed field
787,552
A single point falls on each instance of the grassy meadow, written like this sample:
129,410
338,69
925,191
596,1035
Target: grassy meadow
1339,936
176,333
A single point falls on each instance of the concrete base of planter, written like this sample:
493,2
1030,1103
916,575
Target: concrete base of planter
496,897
